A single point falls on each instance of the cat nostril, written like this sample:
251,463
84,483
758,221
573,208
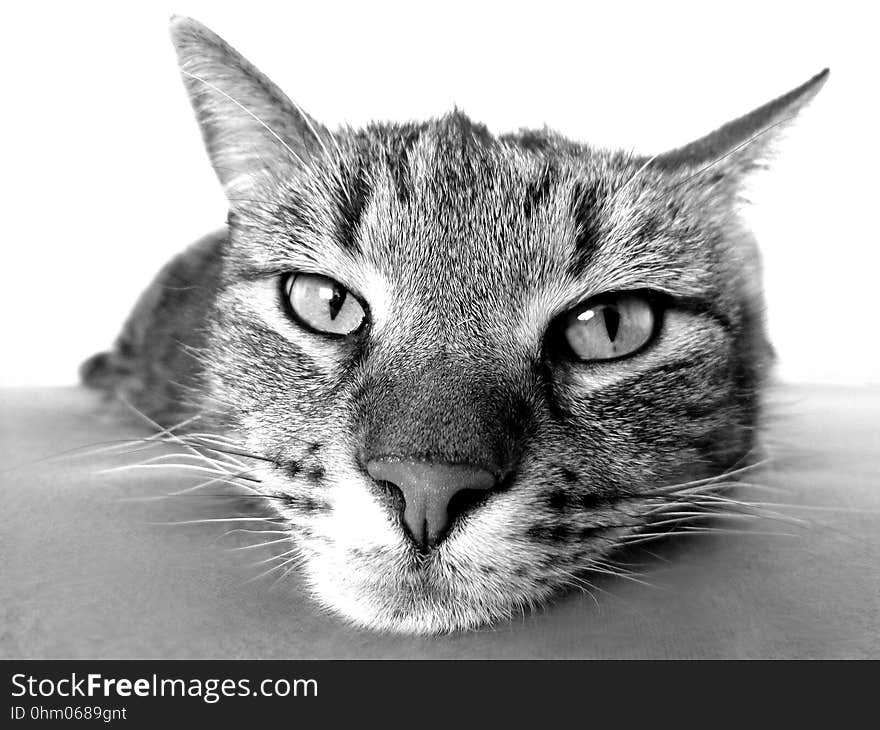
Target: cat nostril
433,493
390,495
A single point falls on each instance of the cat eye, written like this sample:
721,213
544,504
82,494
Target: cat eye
609,326
323,305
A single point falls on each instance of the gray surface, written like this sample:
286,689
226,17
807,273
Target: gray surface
85,573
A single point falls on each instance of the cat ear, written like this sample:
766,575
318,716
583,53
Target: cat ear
738,145
249,126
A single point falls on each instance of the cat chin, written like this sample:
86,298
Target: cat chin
390,613
392,599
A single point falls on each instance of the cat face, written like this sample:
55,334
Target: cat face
475,361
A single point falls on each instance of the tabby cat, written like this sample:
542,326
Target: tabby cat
466,367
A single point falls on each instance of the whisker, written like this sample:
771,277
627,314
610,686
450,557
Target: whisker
245,454
272,558
615,565
712,500
656,556
711,480
593,569
733,486
211,482
107,446
583,586
261,544
164,457
685,530
155,425
181,467
265,520
253,532
822,508
294,565
579,581
227,456
272,570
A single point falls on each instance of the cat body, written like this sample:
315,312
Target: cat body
461,452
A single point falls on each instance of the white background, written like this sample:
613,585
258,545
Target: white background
104,176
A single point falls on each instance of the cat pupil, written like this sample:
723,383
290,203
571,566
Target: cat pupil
337,299
612,322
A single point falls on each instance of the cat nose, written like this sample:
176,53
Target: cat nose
428,488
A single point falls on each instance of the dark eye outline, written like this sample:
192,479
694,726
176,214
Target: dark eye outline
560,346
286,281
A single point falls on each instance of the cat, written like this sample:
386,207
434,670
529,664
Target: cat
466,367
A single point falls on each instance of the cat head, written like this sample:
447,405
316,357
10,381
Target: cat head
477,362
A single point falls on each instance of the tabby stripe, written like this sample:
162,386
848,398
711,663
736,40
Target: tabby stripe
538,191
585,204
352,203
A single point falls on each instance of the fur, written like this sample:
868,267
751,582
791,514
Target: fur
465,249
